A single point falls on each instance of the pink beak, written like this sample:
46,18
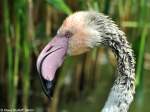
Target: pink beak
49,60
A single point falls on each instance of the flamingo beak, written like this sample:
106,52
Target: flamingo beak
49,60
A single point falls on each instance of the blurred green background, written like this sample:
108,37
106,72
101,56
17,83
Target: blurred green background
83,81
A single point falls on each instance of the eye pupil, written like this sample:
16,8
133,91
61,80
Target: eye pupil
68,34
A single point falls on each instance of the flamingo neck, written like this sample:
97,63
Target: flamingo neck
108,34
122,92
105,32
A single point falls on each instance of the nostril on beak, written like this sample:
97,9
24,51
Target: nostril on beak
49,48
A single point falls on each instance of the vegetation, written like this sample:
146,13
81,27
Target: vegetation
83,81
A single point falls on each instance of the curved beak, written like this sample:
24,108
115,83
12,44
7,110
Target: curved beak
49,60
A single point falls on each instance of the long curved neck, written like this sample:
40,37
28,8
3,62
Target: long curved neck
122,92
108,34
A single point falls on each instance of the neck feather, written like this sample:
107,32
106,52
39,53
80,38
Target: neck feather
122,92
108,34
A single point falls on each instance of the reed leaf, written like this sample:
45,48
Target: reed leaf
60,5
6,21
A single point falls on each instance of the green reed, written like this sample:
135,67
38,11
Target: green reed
6,24
28,34
20,30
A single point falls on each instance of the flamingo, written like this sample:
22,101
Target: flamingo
79,33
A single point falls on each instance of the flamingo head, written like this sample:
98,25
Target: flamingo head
74,37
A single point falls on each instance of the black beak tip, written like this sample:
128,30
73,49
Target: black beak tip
48,88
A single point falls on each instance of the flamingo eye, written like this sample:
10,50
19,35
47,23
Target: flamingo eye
68,34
